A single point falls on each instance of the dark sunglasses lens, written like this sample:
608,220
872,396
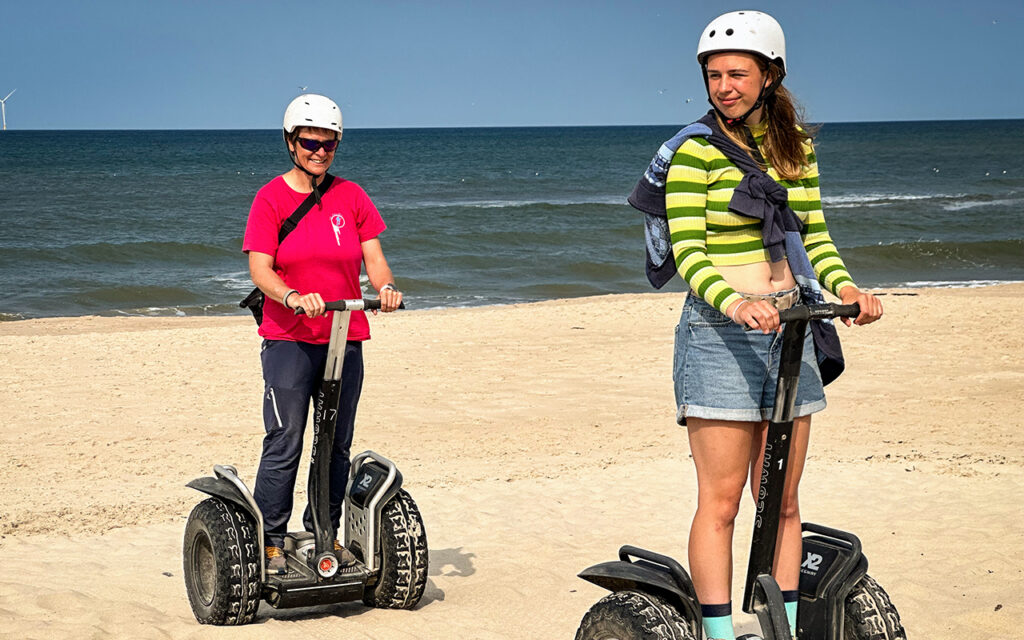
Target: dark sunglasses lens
313,145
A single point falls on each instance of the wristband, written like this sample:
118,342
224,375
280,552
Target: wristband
284,300
732,316
390,285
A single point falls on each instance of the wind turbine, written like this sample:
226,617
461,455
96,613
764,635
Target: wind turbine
3,107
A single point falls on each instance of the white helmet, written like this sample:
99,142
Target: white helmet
750,31
312,110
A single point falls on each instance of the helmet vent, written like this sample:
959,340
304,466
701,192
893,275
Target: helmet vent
711,35
728,32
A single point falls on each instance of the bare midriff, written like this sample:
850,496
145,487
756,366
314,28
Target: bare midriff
759,277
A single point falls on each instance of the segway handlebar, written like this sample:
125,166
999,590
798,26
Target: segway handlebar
365,304
825,311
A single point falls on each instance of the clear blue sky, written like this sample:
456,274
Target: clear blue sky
211,64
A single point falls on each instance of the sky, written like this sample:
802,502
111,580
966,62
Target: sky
227,64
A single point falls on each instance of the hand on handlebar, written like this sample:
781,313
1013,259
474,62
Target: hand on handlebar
311,304
390,299
761,315
870,306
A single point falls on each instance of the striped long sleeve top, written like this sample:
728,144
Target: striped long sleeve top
706,235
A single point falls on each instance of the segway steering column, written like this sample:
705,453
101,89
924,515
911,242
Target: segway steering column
761,590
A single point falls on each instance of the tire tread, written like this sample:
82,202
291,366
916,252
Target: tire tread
404,556
870,614
633,614
234,540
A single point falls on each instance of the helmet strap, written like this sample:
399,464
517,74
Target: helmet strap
312,176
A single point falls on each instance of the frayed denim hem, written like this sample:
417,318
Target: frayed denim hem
742,415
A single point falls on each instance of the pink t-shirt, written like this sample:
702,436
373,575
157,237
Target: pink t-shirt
322,254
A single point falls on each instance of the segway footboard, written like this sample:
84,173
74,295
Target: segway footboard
642,570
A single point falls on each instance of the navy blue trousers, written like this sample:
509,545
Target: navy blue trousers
292,372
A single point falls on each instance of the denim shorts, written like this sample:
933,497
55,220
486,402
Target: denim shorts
722,372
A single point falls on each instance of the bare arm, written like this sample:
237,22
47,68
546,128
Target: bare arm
261,270
380,275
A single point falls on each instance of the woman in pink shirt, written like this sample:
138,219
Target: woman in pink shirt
319,260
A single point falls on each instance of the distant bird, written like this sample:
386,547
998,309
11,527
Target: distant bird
302,89
3,107
661,92
689,100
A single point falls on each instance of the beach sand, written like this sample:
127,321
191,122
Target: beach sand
536,439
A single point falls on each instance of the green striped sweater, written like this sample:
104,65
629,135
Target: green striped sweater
705,234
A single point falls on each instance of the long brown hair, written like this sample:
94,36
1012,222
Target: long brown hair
785,134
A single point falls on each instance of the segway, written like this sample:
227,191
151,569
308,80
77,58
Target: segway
653,596
224,564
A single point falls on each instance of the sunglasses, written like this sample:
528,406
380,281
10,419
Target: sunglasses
314,145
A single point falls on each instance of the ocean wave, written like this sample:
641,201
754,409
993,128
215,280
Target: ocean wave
974,204
955,284
180,310
1009,248
882,199
239,280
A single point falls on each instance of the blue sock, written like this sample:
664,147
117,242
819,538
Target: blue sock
791,598
717,621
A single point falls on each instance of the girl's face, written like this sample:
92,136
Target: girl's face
735,80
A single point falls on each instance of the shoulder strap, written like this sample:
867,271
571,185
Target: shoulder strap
314,196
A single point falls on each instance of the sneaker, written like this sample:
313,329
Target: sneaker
345,557
276,563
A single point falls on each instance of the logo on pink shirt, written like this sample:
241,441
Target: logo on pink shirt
337,221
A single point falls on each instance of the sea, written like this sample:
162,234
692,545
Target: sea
151,222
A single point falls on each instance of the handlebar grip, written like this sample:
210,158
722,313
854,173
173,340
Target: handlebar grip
355,305
819,312
847,310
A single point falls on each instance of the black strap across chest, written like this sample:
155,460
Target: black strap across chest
314,196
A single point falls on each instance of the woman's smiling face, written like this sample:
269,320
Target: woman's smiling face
315,162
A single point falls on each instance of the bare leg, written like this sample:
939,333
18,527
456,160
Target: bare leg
721,454
789,548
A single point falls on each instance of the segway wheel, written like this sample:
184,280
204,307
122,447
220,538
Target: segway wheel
403,546
870,614
628,615
222,563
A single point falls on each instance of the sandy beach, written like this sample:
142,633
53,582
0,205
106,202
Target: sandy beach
536,439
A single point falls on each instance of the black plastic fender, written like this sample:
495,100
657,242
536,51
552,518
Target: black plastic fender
223,489
650,573
832,564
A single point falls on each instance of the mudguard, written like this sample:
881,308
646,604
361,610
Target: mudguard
220,488
226,485
650,573
832,564
373,481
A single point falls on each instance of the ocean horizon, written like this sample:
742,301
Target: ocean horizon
150,221
526,126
